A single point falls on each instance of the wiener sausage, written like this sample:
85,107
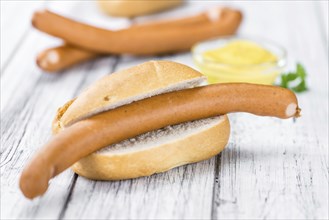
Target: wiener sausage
62,57
133,41
96,132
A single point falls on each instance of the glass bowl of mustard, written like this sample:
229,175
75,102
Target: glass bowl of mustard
239,59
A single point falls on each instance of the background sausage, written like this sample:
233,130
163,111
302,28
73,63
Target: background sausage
62,57
150,41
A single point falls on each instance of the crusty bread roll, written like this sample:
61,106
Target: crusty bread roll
152,152
129,8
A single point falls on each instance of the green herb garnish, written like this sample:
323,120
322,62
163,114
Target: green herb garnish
296,81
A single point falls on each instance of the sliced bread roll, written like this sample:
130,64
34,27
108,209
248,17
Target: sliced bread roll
152,152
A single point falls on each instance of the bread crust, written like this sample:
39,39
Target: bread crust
56,125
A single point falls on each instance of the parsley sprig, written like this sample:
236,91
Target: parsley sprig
296,81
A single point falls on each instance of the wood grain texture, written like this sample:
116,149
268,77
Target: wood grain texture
274,164
271,169
29,99
26,126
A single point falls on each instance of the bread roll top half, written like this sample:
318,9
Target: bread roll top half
126,86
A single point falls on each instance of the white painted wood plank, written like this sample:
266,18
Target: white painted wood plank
15,24
29,100
261,175
276,169
177,194
26,126
22,117
36,132
28,105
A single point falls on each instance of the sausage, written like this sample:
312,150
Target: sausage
65,56
147,40
101,130
62,57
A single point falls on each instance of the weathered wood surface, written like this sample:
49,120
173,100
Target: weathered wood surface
271,169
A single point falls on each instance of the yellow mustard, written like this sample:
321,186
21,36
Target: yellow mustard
239,61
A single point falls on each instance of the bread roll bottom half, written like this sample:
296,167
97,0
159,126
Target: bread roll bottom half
157,151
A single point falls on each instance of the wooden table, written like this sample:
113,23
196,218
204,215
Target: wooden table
271,168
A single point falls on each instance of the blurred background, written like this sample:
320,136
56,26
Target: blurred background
297,25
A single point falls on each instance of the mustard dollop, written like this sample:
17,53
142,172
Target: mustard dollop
240,52
239,61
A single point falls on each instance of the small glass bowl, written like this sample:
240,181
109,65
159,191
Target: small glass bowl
216,72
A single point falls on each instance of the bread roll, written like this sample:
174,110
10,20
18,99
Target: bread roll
129,8
152,152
